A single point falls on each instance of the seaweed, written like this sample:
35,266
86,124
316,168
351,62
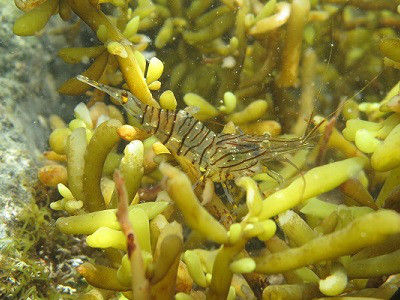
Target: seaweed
322,225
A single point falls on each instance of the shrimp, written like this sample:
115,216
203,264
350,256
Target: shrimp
220,157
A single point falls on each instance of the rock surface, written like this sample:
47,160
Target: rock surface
28,95
25,97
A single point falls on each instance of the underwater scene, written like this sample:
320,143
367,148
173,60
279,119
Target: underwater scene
203,149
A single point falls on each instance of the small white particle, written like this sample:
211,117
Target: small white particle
228,62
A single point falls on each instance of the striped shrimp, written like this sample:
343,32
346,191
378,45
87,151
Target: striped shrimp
221,157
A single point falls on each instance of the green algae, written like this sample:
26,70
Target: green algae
23,273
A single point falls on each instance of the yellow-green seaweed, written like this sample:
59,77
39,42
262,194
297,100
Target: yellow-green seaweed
76,147
74,87
131,167
35,20
195,215
104,139
78,54
106,218
374,266
307,187
360,233
101,276
335,283
385,157
293,291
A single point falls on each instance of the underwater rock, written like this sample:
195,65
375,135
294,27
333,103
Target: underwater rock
27,97
24,86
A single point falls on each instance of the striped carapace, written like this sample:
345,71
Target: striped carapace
220,156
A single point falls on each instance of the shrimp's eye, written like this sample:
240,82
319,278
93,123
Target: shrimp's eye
266,143
124,97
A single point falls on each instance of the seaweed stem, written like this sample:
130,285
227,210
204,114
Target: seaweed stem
128,66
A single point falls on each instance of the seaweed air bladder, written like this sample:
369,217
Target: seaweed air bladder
214,94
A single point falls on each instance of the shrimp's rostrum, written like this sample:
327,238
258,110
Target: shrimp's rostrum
220,156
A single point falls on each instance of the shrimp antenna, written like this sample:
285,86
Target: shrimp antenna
309,122
285,159
332,117
275,176
341,105
113,92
